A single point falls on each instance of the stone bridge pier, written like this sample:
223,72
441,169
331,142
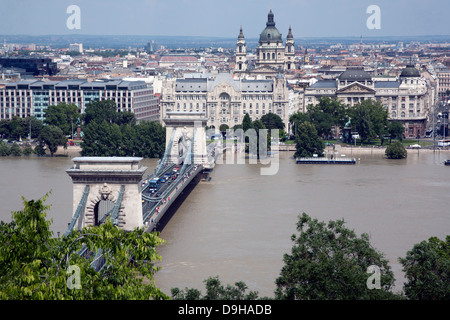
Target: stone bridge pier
114,183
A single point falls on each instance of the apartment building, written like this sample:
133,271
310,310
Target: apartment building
31,97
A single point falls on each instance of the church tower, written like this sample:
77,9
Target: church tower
289,52
241,53
270,50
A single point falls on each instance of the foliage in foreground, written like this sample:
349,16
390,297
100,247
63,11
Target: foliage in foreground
427,269
34,265
329,262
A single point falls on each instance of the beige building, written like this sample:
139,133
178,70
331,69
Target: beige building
226,99
407,99
443,77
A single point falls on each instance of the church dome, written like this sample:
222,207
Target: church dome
270,33
410,71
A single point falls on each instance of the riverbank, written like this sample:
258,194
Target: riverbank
74,151
71,151
379,150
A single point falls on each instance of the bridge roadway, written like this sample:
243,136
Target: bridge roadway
155,204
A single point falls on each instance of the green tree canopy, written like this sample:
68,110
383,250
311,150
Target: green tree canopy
427,269
5,149
369,119
396,130
330,262
52,137
65,116
106,110
327,114
272,121
35,265
307,141
247,123
147,139
17,127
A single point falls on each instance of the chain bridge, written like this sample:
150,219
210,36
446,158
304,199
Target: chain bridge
115,187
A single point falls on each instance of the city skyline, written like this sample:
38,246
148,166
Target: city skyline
323,18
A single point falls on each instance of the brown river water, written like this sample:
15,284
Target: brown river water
238,225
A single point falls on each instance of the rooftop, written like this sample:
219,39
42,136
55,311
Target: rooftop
355,74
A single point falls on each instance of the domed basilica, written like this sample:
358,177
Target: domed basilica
272,55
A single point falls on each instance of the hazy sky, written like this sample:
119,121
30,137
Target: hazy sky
222,18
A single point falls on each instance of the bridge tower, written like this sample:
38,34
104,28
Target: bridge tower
185,132
107,186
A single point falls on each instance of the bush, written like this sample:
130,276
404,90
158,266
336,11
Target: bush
396,150
16,150
28,150
5,150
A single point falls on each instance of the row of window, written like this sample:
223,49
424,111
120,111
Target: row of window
403,114
225,97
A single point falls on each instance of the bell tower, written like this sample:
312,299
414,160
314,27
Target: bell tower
241,53
289,52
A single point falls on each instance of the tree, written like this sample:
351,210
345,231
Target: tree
369,119
396,150
39,150
272,121
16,150
27,150
147,139
63,116
396,130
307,141
327,114
216,291
52,137
101,139
329,261
151,139
35,265
296,119
427,270
246,123
106,110
5,149
17,128
223,127
258,125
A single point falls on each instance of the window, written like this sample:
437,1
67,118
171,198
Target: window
403,114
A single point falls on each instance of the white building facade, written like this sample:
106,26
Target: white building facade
225,100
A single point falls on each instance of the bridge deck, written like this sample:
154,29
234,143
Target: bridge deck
155,205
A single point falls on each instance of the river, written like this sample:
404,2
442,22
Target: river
238,225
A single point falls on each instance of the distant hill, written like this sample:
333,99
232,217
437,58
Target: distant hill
133,41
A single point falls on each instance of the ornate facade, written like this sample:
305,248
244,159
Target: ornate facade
225,100
407,99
